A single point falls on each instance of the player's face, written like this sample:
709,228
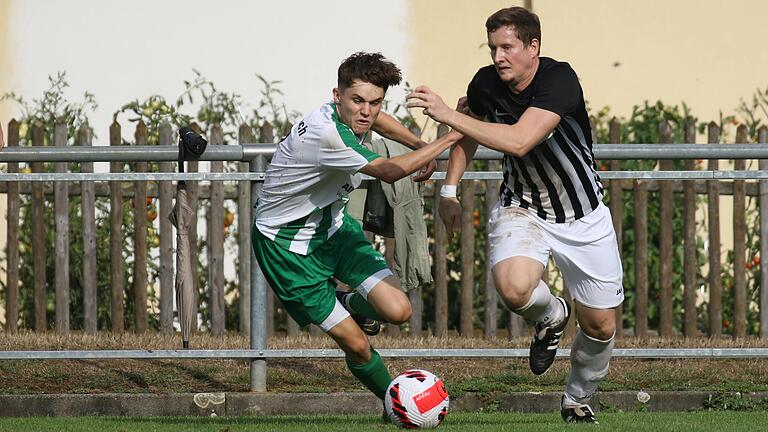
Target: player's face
515,63
359,105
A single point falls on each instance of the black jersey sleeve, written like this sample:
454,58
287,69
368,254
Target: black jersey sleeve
474,98
558,90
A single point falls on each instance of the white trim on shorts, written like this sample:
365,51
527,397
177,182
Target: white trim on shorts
338,314
585,250
368,284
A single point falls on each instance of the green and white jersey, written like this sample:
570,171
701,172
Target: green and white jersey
307,184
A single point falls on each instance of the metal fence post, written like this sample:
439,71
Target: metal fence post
258,296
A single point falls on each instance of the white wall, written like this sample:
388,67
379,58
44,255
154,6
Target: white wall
132,49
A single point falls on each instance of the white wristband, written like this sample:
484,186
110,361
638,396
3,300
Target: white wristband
448,191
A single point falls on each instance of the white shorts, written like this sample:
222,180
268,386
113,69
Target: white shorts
584,250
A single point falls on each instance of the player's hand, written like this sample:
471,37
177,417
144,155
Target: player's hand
449,210
462,105
424,97
426,172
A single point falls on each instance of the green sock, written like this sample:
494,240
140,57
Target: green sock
373,375
360,306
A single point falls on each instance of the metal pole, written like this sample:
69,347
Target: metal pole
763,188
258,296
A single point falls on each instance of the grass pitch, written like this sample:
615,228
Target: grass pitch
652,422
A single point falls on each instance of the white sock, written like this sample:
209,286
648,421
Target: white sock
542,307
589,365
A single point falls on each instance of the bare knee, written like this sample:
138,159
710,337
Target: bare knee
358,350
515,279
597,324
515,293
401,312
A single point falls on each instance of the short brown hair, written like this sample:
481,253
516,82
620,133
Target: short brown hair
525,23
372,68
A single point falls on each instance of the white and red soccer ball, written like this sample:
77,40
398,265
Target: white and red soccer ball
416,399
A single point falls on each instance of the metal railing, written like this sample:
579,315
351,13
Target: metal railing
255,154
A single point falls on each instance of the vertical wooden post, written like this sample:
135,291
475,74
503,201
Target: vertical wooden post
641,258
140,239
61,214
466,327
491,298
117,265
244,238
617,210
715,281
14,211
216,242
267,135
739,244
690,249
665,238
39,246
90,268
165,207
762,138
440,263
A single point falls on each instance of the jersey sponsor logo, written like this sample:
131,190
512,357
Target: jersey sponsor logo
302,128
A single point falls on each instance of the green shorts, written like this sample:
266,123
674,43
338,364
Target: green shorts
304,283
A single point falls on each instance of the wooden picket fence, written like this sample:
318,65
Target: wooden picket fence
210,201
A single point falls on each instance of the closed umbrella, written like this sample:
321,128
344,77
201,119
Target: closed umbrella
180,217
191,146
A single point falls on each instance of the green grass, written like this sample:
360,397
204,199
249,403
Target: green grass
653,422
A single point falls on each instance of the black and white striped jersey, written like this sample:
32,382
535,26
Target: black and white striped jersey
558,179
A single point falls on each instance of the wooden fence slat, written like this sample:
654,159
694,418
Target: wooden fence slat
690,259
216,242
39,247
244,242
762,138
14,211
140,239
666,233
165,207
117,265
440,261
90,267
715,281
641,258
491,297
467,239
61,214
267,135
739,244
617,210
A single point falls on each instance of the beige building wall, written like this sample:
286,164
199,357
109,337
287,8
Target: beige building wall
5,73
709,54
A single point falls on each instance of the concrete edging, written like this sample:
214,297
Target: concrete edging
251,404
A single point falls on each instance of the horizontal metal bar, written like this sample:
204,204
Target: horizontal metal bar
470,175
201,176
246,152
650,353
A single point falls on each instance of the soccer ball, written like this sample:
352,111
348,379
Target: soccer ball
416,399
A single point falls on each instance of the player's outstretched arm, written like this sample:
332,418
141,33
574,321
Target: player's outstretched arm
389,127
392,169
518,139
448,206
